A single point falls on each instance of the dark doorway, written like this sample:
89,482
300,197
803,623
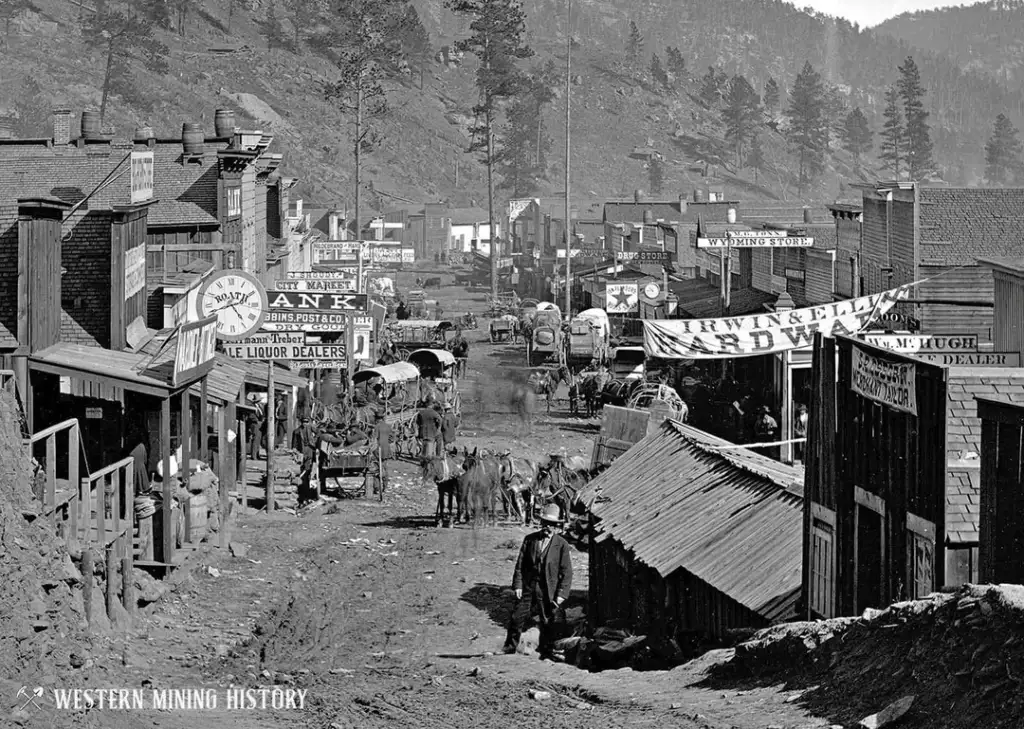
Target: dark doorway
870,536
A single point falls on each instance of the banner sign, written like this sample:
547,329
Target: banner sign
328,285
292,320
134,270
196,347
316,301
621,298
745,336
915,343
779,241
141,177
386,254
972,359
285,350
264,338
339,250
332,273
890,383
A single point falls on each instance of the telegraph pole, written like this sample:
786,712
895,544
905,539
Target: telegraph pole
568,224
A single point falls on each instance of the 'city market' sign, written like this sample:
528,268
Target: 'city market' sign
890,383
780,331
316,301
329,285
918,343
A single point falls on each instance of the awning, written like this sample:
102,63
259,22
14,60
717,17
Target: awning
392,373
432,359
132,371
284,379
225,381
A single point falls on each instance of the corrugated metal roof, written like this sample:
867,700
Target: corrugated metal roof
732,518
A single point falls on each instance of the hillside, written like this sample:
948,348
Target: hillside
987,37
421,155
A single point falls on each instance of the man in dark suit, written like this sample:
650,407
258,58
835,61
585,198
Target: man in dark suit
542,580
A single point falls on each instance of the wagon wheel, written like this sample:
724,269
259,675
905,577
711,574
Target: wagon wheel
403,354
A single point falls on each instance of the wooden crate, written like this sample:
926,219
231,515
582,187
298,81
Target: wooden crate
620,429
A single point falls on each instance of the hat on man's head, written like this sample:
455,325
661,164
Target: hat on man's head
447,406
551,514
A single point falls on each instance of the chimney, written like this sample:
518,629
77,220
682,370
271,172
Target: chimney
61,126
682,204
808,218
638,196
334,218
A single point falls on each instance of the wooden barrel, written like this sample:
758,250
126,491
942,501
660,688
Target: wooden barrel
197,517
224,123
192,138
91,125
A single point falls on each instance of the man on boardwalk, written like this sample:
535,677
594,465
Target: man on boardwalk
542,580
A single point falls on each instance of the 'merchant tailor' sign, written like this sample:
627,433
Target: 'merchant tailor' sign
745,336
889,383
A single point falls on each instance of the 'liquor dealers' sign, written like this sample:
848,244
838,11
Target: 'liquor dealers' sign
889,383
781,331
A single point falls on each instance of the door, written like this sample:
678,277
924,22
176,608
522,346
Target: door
920,567
822,582
869,550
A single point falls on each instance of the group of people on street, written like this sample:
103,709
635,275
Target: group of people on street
256,422
437,427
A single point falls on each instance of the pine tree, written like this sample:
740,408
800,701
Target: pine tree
497,31
835,111
808,129
1003,154
755,157
658,71
634,45
856,134
656,175
741,115
303,13
771,96
711,87
522,157
918,132
676,63
892,149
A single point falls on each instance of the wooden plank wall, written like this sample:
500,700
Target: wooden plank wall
908,474
127,232
1001,552
39,280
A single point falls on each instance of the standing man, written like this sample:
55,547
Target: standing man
449,427
460,350
281,421
305,441
765,430
428,425
542,580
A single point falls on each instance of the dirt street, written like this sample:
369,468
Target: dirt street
388,621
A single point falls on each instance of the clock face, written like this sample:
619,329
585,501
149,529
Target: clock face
652,290
237,299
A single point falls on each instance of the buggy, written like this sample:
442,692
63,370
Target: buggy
504,303
412,334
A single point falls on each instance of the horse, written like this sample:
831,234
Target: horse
518,481
445,472
618,392
547,383
560,481
590,387
479,487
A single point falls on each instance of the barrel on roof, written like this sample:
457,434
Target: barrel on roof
193,139
91,125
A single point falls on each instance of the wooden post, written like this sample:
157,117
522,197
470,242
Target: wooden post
167,548
127,581
50,490
87,582
204,423
111,565
242,441
224,471
270,437
185,435
74,446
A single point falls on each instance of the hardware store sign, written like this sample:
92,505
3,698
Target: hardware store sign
890,383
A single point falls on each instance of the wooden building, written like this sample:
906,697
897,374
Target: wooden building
894,522
1002,491
690,537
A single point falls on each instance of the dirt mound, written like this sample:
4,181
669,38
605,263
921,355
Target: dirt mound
40,615
960,653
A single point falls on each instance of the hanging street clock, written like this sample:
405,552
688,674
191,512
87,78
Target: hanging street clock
237,299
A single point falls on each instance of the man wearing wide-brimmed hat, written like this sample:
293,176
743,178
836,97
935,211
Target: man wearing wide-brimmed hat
542,580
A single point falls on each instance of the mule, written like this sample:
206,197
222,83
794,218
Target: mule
479,487
547,383
518,481
444,472
591,385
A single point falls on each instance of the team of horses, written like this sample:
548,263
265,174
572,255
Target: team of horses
485,484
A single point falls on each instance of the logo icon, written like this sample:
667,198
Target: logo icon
30,696
621,298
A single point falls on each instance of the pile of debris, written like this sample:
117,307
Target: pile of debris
287,479
960,653
41,615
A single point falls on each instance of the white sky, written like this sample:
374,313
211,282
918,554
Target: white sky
873,12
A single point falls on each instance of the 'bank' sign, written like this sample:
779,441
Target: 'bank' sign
142,176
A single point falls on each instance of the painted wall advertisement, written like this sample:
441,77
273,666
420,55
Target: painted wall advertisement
745,336
134,271
141,176
893,384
